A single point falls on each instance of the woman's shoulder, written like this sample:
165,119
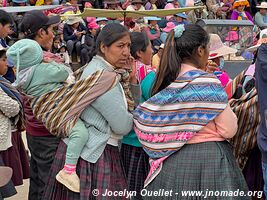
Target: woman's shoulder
94,65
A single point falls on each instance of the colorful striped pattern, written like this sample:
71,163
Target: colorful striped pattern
60,109
247,112
170,118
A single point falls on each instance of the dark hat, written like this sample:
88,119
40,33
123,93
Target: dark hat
36,19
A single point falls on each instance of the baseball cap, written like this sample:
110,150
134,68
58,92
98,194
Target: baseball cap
36,19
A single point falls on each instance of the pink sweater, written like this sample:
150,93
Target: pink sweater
151,36
224,126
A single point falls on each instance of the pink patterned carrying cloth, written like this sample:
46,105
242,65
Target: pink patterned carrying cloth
142,70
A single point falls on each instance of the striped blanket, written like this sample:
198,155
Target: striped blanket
247,112
166,121
60,109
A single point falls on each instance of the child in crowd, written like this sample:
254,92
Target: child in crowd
64,53
3,61
56,44
48,77
60,48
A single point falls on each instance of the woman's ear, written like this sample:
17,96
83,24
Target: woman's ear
41,32
139,54
102,48
200,51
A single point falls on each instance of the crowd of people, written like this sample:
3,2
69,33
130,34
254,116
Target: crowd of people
122,103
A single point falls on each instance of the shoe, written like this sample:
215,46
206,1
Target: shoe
71,181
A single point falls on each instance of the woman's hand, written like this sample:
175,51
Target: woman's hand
130,64
211,66
133,78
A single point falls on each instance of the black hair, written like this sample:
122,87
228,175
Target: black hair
176,51
5,18
2,53
32,35
139,42
57,37
110,34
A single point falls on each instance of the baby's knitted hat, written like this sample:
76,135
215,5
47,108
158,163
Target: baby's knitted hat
25,53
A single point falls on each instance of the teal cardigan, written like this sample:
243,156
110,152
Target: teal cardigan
105,117
146,86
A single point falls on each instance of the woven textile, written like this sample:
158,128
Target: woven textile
136,166
207,166
170,118
106,173
60,109
125,82
247,112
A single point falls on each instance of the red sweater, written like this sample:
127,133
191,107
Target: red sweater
33,126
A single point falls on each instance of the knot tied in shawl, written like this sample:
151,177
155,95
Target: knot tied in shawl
169,119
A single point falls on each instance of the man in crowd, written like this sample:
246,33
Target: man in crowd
261,86
42,145
6,22
261,15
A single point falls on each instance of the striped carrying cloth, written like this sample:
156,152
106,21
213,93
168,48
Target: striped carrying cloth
247,112
60,109
173,116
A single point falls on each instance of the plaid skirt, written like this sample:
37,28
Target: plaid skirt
17,158
208,166
106,174
136,165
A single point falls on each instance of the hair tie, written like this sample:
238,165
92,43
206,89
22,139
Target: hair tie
178,30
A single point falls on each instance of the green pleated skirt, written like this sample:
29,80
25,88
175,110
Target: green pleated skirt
209,167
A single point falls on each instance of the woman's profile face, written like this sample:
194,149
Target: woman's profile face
118,53
146,56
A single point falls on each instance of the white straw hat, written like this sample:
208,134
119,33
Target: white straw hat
217,48
263,5
262,39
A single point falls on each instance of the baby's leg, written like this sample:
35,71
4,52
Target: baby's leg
77,139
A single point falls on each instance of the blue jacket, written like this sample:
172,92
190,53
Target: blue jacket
261,86
68,32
